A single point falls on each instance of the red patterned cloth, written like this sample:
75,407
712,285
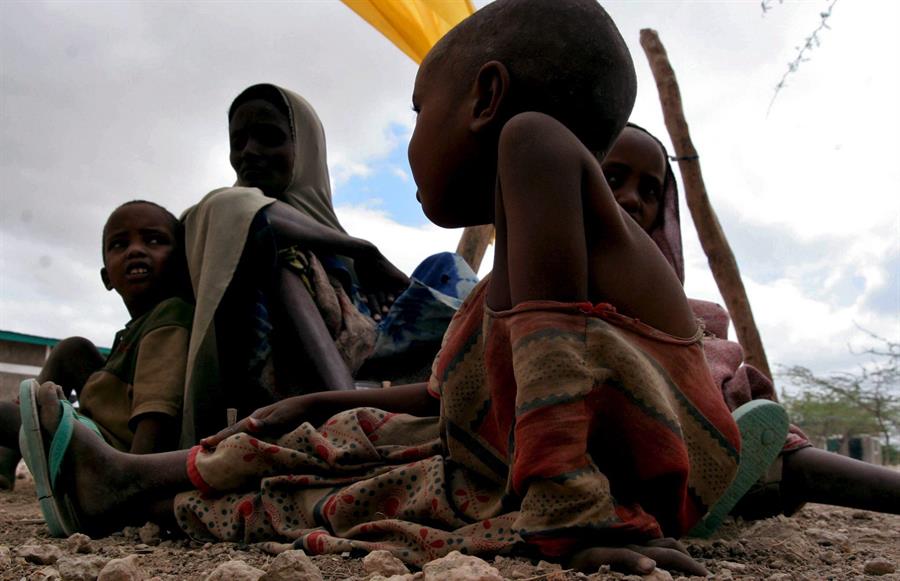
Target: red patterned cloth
561,425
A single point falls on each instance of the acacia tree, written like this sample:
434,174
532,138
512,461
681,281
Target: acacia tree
850,403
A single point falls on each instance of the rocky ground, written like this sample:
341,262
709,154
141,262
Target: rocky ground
819,543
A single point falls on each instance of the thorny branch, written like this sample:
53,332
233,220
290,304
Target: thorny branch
811,42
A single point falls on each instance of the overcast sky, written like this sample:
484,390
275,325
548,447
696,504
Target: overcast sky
103,102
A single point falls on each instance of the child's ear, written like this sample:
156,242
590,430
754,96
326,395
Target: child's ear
104,276
491,86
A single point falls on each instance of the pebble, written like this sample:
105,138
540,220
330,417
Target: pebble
383,563
149,534
732,566
862,515
780,577
879,566
5,557
235,571
122,570
658,575
826,538
40,554
85,568
45,574
458,567
131,533
292,565
79,543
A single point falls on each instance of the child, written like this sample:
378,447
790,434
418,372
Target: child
641,179
135,396
566,428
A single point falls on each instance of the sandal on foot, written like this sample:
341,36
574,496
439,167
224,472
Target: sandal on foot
763,425
56,506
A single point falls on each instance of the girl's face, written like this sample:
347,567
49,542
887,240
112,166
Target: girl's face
635,169
262,147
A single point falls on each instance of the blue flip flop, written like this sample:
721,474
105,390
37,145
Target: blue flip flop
56,506
763,425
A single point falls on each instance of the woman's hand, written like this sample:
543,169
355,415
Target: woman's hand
380,280
665,553
272,420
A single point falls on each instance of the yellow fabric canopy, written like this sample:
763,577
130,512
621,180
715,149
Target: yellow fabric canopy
412,25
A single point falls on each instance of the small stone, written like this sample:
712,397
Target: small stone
861,515
45,574
830,557
40,554
383,563
292,565
458,567
122,570
79,543
780,577
658,575
142,548
85,568
149,534
826,538
235,571
879,566
5,557
732,566
131,533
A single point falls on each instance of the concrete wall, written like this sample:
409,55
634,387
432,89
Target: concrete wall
18,361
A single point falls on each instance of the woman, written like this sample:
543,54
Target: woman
281,288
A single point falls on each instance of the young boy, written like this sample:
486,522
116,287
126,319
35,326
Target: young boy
567,427
135,396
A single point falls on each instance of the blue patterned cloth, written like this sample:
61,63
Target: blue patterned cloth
421,314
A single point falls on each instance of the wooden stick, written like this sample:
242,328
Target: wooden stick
721,259
474,242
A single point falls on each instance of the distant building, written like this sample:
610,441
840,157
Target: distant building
865,448
21,357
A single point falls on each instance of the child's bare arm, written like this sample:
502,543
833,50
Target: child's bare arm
539,214
285,415
154,433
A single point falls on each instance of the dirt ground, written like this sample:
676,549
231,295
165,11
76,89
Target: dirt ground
820,542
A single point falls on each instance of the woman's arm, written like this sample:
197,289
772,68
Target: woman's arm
380,279
285,415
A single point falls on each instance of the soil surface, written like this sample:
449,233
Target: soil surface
820,542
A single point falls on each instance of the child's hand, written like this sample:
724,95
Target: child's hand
639,559
272,420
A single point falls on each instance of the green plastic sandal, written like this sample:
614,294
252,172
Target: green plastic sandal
57,508
763,425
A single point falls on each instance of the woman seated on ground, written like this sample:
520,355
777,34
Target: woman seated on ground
287,301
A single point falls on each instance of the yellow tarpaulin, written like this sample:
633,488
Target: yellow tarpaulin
412,25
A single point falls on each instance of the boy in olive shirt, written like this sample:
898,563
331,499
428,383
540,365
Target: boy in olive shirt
136,395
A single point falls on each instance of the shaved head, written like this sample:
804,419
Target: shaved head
565,58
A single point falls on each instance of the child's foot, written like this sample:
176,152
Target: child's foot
89,473
9,459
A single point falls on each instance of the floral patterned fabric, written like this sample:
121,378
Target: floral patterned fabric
561,425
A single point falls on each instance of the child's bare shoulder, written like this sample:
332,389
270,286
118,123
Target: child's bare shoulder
537,137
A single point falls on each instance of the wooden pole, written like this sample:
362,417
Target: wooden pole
721,259
474,242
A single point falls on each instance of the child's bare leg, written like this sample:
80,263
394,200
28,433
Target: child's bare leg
317,364
70,364
112,489
10,420
813,475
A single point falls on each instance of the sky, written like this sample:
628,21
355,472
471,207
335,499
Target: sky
104,102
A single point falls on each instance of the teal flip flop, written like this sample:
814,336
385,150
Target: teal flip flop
763,425
57,508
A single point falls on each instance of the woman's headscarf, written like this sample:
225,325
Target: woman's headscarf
310,188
